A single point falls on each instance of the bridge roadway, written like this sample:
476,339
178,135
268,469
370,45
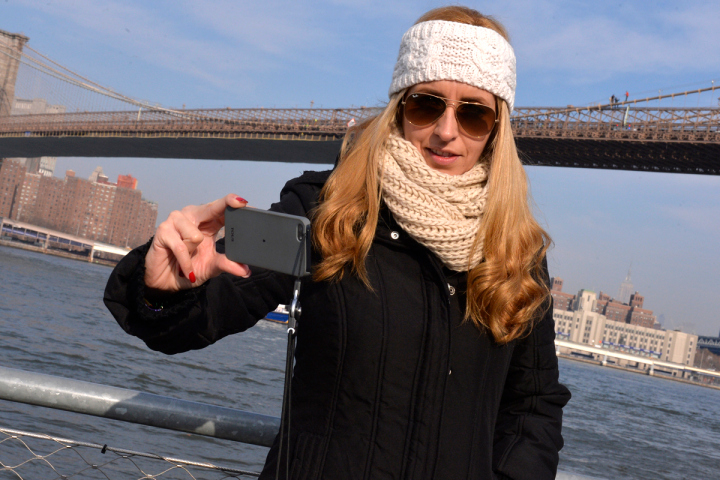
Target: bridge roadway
711,343
651,363
619,136
47,238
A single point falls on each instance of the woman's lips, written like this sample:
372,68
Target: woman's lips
441,156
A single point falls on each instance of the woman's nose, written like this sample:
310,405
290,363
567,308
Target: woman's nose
447,127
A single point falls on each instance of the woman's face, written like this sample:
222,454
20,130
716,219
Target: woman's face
443,145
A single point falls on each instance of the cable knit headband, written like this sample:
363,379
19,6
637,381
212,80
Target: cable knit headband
441,50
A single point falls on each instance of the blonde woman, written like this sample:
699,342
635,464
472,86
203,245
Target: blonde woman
425,350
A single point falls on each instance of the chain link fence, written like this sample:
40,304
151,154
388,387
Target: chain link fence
34,456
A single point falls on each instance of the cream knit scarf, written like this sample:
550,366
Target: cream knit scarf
441,211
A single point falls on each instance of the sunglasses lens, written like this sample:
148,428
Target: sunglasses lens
476,120
421,110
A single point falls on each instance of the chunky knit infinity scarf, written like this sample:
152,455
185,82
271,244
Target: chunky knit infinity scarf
441,211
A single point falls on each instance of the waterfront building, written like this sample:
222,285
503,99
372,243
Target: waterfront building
28,195
42,165
43,202
614,310
602,301
561,300
144,228
636,300
680,347
581,325
12,174
617,311
94,209
127,181
633,313
643,339
585,324
643,318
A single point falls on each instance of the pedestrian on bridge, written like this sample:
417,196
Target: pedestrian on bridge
426,345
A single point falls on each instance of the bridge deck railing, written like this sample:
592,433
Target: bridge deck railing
638,123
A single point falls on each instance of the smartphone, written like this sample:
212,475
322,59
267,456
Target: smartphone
271,240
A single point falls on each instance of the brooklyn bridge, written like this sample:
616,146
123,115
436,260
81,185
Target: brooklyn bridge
48,110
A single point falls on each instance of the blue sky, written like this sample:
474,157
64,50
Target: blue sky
340,53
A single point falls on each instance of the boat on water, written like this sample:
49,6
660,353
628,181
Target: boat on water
279,315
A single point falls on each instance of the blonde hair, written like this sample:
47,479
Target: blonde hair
507,289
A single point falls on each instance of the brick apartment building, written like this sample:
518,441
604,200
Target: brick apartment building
95,209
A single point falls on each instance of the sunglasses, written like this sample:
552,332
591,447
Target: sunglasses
475,119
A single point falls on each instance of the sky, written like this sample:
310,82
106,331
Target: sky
340,53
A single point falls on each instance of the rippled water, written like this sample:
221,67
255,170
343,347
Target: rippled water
619,425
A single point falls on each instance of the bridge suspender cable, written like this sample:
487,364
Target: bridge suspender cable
82,82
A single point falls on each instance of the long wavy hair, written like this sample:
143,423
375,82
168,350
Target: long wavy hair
507,289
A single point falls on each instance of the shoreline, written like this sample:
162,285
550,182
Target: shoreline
635,370
55,253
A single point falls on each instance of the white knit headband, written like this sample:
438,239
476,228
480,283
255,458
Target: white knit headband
441,50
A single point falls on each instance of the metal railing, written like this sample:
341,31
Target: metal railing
137,407
36,455
317,123
611,122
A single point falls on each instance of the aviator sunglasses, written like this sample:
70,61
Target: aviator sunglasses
475,119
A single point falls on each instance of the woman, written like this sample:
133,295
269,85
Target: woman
426,346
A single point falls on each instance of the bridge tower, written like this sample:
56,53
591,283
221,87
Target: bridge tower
11,45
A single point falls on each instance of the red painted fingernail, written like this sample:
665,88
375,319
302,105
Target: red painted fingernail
241,199
182,275
191,277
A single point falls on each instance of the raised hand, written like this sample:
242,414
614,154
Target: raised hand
182,254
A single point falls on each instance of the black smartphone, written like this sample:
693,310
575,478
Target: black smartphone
271,240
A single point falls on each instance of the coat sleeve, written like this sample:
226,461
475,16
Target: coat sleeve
195,318
528,428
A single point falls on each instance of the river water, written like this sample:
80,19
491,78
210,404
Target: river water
619,425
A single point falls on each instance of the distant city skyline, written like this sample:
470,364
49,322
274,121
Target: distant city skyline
340,54
93,208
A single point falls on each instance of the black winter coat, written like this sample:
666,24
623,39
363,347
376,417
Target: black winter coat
389,383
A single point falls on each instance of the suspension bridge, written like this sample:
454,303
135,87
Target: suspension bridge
48,110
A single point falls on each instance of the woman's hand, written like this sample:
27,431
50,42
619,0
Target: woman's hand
182,254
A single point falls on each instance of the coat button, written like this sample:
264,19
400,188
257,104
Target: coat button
452,289
394,235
